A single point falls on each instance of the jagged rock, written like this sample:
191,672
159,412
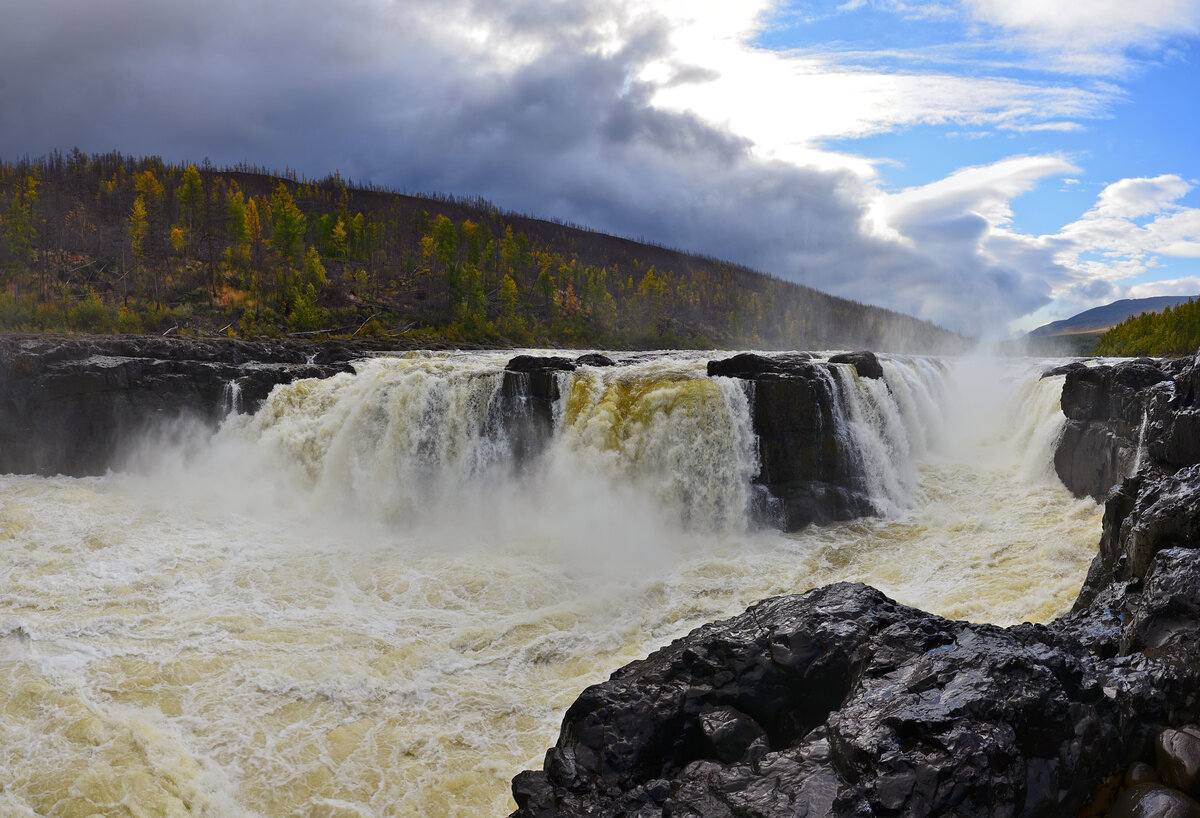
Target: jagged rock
730,735
869,707
1154,801
1178,755
69,405
1107,409
594,359
1148,512
1065,369
865,363
527,397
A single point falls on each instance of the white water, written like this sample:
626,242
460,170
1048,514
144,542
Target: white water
351,604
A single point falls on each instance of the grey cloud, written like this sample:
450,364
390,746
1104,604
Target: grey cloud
389,92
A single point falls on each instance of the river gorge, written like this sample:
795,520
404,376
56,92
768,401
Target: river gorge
371,583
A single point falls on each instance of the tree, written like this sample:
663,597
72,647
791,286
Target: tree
138,226
287,237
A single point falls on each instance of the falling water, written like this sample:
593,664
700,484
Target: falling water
356,602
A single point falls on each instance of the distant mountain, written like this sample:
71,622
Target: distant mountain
1099,319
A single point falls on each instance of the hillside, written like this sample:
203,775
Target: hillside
1174,330
111,243
1109,315
1080,334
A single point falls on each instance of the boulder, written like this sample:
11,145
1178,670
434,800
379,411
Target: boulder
594,359
751,365
1154,801
1178,755
537,363
865,363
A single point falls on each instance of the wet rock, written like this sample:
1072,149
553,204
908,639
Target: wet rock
537,363
594,359
1178,756
868,707
729,734
72,405
1107,410
1065,369
751,365
1154,801
809,472
865,363
528,394
1140,772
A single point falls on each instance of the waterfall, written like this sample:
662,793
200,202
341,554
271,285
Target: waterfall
378,594
231,398
1141,440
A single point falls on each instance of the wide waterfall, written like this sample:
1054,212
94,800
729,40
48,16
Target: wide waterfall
378,594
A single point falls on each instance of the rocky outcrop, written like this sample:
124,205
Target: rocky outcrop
842,702
1107,418
864,363
69,405
855,705
528,394
806,463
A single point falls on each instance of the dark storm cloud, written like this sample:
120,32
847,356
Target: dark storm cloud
534,105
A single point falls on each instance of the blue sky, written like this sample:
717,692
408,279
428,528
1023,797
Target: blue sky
990,165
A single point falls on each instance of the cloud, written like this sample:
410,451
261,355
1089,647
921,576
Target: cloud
1088,38
655,120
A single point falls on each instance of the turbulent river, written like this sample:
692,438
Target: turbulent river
354,603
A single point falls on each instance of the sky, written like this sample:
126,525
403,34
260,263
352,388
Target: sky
990,165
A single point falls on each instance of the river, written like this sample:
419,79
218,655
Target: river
355,603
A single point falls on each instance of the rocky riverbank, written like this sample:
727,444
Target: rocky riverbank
70,405
842,702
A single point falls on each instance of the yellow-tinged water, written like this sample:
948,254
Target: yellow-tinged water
336,610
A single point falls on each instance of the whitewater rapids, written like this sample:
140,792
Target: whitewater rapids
355,603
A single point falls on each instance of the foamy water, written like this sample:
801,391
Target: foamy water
352,604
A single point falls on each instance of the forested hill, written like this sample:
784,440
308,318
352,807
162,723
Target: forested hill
111,243
1174,331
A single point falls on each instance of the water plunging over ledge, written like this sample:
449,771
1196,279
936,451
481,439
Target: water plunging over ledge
358,602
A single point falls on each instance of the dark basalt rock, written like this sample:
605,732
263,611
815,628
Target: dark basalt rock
865,363
1107,411
69,405
536,363
810,474
1154,801
594,359
525,416
1178,753
751,365
1065,369
872,708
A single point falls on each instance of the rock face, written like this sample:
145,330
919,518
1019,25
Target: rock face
806,465
842,702
527,398
68,405
1107,418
